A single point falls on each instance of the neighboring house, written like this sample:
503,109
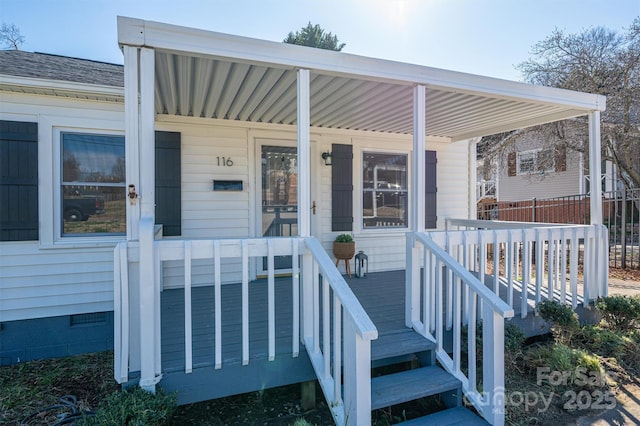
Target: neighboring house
535,168
217,180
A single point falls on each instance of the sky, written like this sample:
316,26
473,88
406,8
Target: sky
486,37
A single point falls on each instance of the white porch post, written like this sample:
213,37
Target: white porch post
595,167
149,338
131,113
304,154
412,280
304,199
419,123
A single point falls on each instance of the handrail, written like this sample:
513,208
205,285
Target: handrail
337,335
363,324
498,305
501,224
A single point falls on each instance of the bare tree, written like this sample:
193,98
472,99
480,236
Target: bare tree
596,60
10,36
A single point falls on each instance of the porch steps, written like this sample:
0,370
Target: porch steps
408,385
393,389
457,416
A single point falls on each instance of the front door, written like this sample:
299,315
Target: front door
279,193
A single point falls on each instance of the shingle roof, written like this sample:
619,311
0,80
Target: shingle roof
55,67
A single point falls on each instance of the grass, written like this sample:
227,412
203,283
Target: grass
31,386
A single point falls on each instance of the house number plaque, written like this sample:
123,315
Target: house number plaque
225,161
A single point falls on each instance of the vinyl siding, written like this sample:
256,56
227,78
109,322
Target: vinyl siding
40,279
37,283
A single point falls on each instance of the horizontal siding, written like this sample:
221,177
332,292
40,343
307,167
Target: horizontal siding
37,283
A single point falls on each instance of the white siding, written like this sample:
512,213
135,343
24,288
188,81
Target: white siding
37,283
49,278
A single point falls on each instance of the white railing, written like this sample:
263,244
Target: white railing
337,331
532,261
187,251
333,314
435,280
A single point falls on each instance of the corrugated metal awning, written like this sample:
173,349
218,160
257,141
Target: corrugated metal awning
213,75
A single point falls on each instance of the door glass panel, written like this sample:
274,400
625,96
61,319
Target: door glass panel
279,196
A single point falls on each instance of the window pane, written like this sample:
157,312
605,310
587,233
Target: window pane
93,188
526,162
384,190
92,158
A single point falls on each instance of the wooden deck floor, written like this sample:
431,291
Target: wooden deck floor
381,294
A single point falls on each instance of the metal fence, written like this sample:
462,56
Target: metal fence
620,212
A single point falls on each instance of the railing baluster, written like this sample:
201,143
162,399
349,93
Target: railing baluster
539,265
524,292
508,260
426,300
496,263
456,323
337,349
295,278
563,268
188,337
550,251
575,249
471,339
271,300
326,327
316,309
245,302
218,302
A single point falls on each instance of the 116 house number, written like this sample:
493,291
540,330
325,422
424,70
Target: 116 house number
225,161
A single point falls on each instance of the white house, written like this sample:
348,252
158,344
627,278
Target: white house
217,179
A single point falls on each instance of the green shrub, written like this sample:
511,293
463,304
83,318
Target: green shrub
603,341
513,336
564,322
620,312
344,238
134,407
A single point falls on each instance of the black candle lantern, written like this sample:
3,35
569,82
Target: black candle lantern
362,264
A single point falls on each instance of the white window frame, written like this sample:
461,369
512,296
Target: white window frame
360,214
56,213
534,153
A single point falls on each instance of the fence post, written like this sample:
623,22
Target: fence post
623,229
533,209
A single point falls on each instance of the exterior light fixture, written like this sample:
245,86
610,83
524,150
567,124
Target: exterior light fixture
326,156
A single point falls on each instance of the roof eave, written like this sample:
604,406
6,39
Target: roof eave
62,88
191,41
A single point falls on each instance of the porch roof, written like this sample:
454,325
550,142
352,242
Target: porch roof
212,75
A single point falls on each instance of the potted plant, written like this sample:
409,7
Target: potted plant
344,247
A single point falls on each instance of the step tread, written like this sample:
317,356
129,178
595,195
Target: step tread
397,344
451,417
397,388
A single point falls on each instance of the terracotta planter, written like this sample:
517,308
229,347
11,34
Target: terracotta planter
344,250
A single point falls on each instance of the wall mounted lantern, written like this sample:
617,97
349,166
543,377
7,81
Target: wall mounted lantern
326,156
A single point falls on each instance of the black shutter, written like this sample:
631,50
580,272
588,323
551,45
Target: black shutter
168,181
18,181
431,190
341,187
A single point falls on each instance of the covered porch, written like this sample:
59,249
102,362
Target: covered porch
201,79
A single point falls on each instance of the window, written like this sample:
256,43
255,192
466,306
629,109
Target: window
536,162
92,189
384,190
